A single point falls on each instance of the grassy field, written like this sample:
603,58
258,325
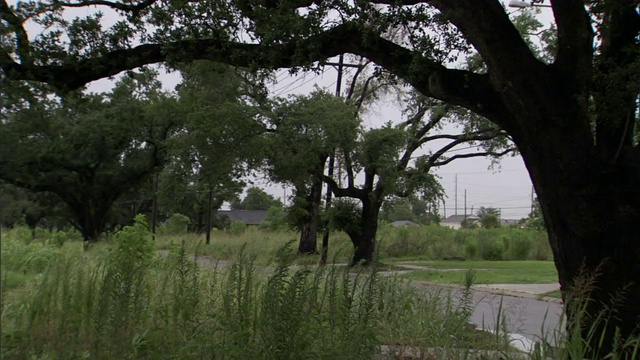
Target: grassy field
134,298
487,272
120,300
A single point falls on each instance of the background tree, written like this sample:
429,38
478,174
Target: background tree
486,211
490,221
20,206
305,132
256,199
88,149
397,209
216,143
384,156
412,208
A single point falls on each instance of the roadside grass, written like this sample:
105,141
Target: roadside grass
120,300
487,272
554,294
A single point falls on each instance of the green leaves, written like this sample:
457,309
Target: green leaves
89,149
306,130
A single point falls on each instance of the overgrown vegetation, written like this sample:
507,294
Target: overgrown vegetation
121,300
438,243
124,299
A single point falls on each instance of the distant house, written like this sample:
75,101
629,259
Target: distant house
510,222
249,217
400,223
455,221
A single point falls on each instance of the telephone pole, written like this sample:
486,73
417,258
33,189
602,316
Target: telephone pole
154,207
325,235
532,200
455,209
208,239
465,203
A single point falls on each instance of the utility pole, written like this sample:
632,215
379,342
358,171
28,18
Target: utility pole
208,240
532,201
154,207
325,236
455,210
284,196
465,203
444,207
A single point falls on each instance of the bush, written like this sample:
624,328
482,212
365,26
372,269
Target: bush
520,247
491,249
237,227
471,248
176,224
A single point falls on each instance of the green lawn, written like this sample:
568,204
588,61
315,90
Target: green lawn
487,272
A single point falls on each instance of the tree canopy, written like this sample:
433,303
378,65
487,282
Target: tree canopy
90,149
256,199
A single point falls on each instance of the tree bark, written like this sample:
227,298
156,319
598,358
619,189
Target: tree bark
89,218
364,239
591,207
309,229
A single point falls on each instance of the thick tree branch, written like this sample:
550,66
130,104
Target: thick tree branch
488,27
458,87
133,8
433,122
471,155
22,39
349,168
481,135
575,40
351,191
354,80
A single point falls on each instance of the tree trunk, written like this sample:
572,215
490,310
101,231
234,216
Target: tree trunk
364,240
591,209
90,220
309,230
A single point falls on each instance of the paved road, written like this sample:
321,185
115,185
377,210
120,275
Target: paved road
530,317
527,316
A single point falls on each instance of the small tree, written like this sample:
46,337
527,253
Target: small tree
490,221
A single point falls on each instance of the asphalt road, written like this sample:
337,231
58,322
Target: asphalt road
532,318
523,317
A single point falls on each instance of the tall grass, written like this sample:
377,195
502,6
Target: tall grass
259,244
120,300
437,242
123,302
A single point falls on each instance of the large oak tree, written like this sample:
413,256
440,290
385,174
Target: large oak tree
88,150
574,118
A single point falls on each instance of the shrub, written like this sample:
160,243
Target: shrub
176,224
520,247
471,248
491,249
237,227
